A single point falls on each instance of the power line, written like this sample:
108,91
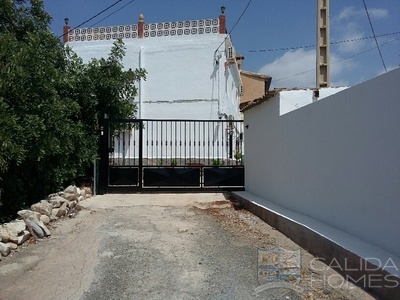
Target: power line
244,11
313,46
337,61
96,15
109,15
237,22
373,32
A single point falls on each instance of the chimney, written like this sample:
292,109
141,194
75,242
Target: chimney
66,29
239,61
222,21
141,26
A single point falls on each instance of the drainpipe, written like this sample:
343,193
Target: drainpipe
140,83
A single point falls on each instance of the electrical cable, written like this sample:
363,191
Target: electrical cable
336,61
244,11
238,20
122,7
373,32
96,15
313,46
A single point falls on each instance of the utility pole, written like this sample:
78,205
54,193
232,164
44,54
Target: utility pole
323,44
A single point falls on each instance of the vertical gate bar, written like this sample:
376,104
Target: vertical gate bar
170,142
140,153
159,140
180,140
176,137
150,133
198,141
129,145
185,141
220,144
215,133
193,141
155,145
123,145
208,142
135,153
190,141
204,139
155,138
230,140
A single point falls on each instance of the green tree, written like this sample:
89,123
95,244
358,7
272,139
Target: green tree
50,103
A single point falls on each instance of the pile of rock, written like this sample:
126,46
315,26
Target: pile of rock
33,223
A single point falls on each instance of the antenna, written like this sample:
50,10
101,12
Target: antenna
323,44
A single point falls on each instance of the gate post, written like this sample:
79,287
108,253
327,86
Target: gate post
103,147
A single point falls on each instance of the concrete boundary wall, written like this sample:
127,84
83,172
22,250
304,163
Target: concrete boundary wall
336,160
355,260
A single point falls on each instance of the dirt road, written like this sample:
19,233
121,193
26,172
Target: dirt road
146,246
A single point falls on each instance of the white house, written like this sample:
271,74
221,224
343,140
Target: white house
191,66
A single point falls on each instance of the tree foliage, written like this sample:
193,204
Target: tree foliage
50,104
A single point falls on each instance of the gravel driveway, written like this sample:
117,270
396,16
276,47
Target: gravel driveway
148,246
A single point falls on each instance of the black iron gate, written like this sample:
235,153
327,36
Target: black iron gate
171,155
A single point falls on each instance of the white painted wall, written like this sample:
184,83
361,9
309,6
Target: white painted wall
336,160
293,99
183,80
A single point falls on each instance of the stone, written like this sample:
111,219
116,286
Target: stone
5,249
62,211
45,219
70,193
5,237
53,216
71,189
10,231
80,198
44,208
56,201
83,192
29,214
13,246
88,191
71,204
22,238
15,227
45,229
34,228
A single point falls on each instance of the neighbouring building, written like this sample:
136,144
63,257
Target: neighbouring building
191,65
291,98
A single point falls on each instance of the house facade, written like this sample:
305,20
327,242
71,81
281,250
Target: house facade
191,67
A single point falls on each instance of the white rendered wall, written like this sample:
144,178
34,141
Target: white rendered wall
336,160
183,80
294,99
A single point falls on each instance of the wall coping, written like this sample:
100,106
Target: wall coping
150,30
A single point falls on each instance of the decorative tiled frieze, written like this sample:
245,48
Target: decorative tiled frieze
150,30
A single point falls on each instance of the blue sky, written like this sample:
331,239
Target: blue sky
268,25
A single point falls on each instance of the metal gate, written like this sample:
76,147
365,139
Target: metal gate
138,155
